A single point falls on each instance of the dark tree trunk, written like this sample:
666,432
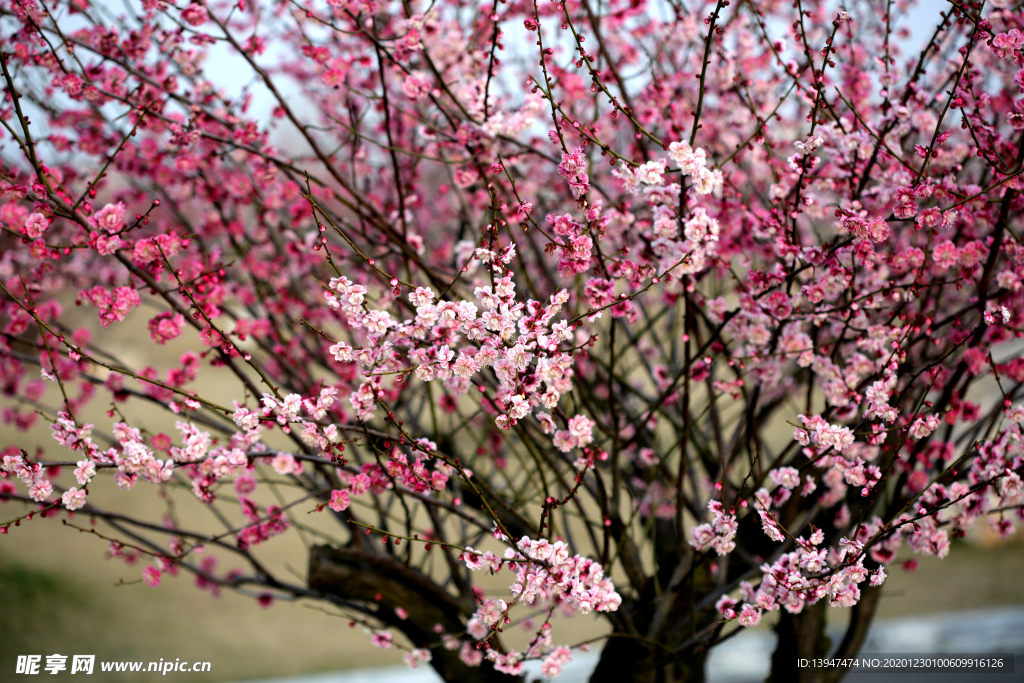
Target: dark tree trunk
658,646
627,660
860,622
387,583
801,636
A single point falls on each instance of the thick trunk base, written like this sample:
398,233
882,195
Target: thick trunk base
627,660
386,583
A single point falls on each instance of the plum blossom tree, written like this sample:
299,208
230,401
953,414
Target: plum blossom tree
681,315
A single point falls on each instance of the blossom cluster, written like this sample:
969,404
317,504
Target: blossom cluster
546,576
